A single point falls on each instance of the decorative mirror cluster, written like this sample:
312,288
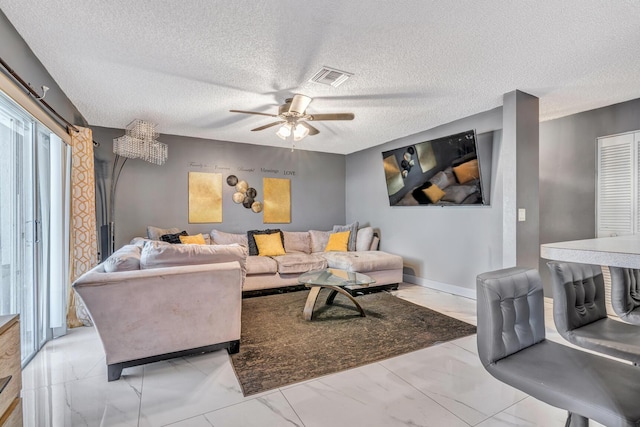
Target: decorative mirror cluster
407,161
244,194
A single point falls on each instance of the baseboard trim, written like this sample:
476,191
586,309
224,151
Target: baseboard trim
440,286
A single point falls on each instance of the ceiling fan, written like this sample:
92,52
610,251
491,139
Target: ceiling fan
294,118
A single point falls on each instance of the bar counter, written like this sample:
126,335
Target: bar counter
619,251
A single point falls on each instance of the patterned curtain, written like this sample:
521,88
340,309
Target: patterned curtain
84,248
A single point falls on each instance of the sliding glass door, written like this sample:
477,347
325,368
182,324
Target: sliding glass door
32,213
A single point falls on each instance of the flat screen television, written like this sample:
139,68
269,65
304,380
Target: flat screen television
440,172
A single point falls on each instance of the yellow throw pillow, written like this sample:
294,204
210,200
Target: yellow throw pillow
467,171
197,239
338,242
269,244
434,193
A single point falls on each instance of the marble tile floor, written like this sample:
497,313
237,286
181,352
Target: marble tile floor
443,385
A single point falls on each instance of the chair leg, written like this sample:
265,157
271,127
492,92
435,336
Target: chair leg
575,420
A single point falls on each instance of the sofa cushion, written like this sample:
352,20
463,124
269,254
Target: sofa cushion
364,239
299,263
338,242
353,228
158,255
363,261
140,241
154,233
127,258
297,241
269,244
319,240
253,247
261,265
457,193
221,238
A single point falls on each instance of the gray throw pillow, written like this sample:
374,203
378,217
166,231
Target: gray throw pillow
353,235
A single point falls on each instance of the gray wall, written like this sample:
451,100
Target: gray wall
568,171
15,52
521,121
443,247
148,194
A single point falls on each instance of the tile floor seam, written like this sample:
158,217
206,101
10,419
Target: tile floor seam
141,391
423,393
292,408
503,410
462,348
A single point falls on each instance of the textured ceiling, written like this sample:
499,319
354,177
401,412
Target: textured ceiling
417,64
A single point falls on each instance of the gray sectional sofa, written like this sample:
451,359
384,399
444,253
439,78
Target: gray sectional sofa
199,287
305,252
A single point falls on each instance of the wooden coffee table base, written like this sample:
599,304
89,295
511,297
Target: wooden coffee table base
335,290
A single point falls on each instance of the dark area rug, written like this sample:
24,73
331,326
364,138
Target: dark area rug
278,347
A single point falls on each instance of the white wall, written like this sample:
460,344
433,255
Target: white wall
442,247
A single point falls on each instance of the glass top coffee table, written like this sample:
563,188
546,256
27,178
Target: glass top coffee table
335,280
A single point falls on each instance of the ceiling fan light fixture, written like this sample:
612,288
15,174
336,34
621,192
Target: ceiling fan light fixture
284,131
300,132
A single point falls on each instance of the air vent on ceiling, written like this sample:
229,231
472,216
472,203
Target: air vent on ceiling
330,76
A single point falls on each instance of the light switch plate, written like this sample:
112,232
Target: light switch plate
522,214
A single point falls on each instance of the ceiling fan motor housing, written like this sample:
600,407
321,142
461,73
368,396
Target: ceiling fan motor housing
299,104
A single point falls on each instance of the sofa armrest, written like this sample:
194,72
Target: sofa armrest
157,311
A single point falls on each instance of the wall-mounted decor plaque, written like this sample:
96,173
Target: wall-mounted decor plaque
205,197
277,200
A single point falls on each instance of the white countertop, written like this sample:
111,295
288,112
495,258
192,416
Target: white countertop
620,251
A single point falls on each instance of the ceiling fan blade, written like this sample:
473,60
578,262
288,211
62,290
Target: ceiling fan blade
334,116
267,126
253,112
312,130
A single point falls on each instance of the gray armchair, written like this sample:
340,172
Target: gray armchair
625,293
513,348
580,314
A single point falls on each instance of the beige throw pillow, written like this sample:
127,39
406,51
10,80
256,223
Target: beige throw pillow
297,241
364,239
319,240
221,238
154,233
